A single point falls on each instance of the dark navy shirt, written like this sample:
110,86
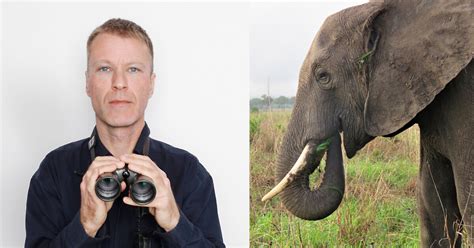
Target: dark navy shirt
54,199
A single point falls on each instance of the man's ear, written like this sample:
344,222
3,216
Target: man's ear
88,91
152,88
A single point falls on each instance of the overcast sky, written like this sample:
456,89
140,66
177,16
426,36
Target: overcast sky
280,36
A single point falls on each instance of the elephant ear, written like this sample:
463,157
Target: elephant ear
420,48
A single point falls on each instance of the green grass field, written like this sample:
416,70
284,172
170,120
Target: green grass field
379,206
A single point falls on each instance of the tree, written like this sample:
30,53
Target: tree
267,101
256,103
282,102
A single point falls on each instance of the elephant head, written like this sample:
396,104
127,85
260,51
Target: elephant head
370,70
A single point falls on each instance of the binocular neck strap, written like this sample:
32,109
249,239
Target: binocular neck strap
91,144
93,141
146,146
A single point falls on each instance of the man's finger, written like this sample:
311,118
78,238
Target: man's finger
117,164
127,200
139,165
98,161
106,158
136,156
123,186
93,174
109,205
139,159
152,211
143,166
139,168
100,167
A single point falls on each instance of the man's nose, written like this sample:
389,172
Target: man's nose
119,80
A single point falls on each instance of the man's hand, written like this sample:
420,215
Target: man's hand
93,210
163,207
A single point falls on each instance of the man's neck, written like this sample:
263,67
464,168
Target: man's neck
119,140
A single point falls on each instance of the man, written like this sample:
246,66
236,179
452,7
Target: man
63,209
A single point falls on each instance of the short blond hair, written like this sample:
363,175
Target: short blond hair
123,28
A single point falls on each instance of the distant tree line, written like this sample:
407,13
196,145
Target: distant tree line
267,103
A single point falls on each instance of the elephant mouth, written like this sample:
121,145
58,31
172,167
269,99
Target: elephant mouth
323,199
306,164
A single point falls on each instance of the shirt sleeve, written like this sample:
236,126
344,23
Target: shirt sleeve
46,226
198,224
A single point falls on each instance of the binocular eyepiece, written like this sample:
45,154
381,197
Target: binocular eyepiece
142,189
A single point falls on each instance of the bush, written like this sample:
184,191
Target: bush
255,121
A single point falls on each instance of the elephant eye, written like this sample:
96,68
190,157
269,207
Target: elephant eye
322,77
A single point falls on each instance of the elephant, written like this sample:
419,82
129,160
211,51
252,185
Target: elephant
377,69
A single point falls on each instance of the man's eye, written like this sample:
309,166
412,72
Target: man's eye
133,69
104,68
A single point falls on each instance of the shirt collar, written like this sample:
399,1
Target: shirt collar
101,150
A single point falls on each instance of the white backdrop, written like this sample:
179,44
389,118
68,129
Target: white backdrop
200,102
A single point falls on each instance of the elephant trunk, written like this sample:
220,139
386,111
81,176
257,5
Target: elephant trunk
297,196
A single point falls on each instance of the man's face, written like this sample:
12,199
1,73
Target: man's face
119,79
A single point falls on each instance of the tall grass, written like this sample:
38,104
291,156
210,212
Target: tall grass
379,206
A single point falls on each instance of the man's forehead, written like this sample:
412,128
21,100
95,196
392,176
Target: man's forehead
129,61
107,46
115,40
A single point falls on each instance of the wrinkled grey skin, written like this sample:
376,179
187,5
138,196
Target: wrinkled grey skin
375,70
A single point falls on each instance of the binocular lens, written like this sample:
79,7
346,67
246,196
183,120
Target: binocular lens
107,188
142,191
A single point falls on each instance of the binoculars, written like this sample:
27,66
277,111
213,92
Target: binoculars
142,189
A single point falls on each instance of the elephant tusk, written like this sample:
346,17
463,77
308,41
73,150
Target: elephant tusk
300,165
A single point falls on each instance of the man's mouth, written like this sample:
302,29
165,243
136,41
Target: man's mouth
119,102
